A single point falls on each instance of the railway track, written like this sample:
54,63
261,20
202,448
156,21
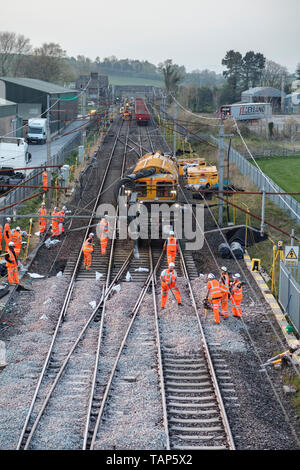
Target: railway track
193,410
55,359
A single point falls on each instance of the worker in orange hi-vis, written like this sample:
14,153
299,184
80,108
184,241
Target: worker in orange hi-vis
104,226
168,279
42,221
7,232
55,222
224,286
236,297
171,247
45,180
12,264
87,250
16,237
214,295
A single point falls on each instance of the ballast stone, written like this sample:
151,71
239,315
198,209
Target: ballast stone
3,362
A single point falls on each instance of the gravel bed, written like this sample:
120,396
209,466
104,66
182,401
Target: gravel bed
135,405
27,341
59,427
258,421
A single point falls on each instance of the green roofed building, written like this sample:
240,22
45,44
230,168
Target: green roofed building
31,97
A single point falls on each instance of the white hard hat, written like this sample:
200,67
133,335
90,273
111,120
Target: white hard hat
8,219
223,268
91,235
106,216
171,232
11,244
171,265
237,276
56,208
18,228
211,276
64,208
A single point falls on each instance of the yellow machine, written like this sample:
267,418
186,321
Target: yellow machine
183,163
154,179
126,115
201,177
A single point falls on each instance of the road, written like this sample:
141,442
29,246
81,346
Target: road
39,152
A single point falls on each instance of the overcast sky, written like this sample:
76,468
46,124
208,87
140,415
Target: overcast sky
194,33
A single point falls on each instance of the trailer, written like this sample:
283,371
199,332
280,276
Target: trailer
14,153
142,113
246,111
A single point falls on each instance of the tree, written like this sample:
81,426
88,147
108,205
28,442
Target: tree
48,63
253,65
233,61
172,74
13,47
272,74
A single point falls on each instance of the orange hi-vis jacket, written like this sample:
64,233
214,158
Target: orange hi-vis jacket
87,248
169,277
171,244
43,222
224,283
7,234
45,180
11,261
16,237
213,287
104,226
237,290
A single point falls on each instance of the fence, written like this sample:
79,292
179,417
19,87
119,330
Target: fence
19,194
289,293
273,152
263,182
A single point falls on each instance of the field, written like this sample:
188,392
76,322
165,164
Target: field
127,80
284,171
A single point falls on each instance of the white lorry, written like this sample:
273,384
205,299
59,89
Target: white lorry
14,153
37,130
246,111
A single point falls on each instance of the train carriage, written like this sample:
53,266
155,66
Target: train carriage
142,113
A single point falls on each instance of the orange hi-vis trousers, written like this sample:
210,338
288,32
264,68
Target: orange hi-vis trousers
165,290
236,305
215,306
171,255
224,304
87,260
12,272
103,243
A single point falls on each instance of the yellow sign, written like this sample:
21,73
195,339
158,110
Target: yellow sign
291,253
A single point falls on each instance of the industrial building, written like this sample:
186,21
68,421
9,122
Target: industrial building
32,97
263,95
96,87
8,118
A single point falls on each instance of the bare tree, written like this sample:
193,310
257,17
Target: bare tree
272,74
49,63
12,48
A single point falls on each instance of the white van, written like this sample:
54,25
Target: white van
37,130
14,153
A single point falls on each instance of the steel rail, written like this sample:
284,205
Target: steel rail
159,359
75,344
134,313
215,384
100,335
62,311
